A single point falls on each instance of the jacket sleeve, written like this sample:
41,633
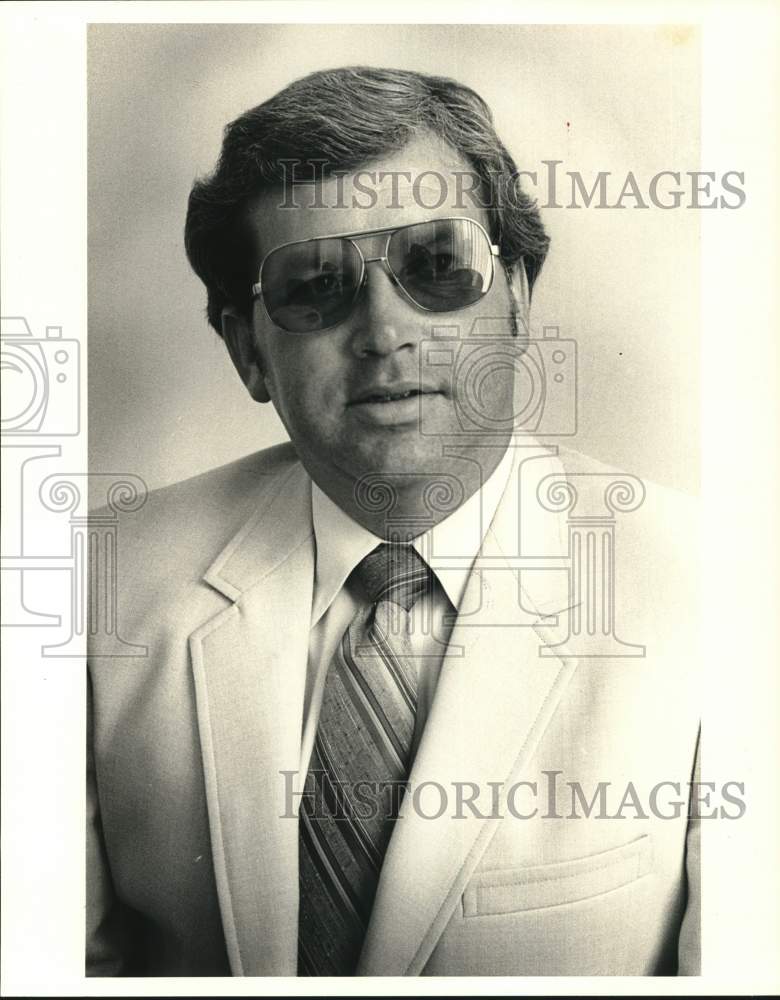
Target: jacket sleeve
689,946
104,952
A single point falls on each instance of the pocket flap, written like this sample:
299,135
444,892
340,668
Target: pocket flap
508,890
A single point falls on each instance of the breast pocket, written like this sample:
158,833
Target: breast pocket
513,890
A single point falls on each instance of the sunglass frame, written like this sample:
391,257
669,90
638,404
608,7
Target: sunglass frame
257,287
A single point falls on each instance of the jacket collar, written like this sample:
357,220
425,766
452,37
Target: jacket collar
280,522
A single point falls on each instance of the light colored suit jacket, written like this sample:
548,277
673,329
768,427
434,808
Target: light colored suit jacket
192,864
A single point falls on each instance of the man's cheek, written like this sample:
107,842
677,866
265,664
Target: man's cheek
303,407
280,378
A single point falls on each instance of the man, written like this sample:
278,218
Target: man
385,726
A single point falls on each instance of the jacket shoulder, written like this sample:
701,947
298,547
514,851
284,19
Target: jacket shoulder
181,527
651,494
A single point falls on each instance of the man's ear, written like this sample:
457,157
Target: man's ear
519,291
244,353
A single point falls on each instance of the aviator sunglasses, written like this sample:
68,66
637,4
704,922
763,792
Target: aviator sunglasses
312,285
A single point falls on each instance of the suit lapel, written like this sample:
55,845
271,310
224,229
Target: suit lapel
249,665
491,708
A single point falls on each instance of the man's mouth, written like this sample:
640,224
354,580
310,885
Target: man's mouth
391,393
398,404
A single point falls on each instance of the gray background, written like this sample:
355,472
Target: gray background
164,401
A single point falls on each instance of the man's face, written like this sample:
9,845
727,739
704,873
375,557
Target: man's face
338,391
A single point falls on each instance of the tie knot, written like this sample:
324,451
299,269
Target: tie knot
396,573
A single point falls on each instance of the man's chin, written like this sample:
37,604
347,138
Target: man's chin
403,456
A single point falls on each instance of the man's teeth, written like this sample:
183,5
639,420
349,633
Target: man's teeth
388,397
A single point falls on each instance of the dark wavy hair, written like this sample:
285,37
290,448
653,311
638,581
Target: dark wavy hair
347,117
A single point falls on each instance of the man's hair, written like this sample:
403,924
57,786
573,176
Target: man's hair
347,117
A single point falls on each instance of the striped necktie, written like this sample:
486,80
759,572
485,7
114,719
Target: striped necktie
360,762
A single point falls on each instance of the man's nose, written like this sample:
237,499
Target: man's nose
384,320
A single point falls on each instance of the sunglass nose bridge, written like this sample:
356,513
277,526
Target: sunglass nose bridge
385,266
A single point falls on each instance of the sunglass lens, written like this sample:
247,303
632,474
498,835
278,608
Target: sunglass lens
442,265
311,286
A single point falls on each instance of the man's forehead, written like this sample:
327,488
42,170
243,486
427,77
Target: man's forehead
424,180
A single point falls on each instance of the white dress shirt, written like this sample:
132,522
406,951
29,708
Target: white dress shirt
342,543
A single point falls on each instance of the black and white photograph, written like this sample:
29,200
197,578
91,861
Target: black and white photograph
388,556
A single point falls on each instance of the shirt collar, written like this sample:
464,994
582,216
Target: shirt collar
342,542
